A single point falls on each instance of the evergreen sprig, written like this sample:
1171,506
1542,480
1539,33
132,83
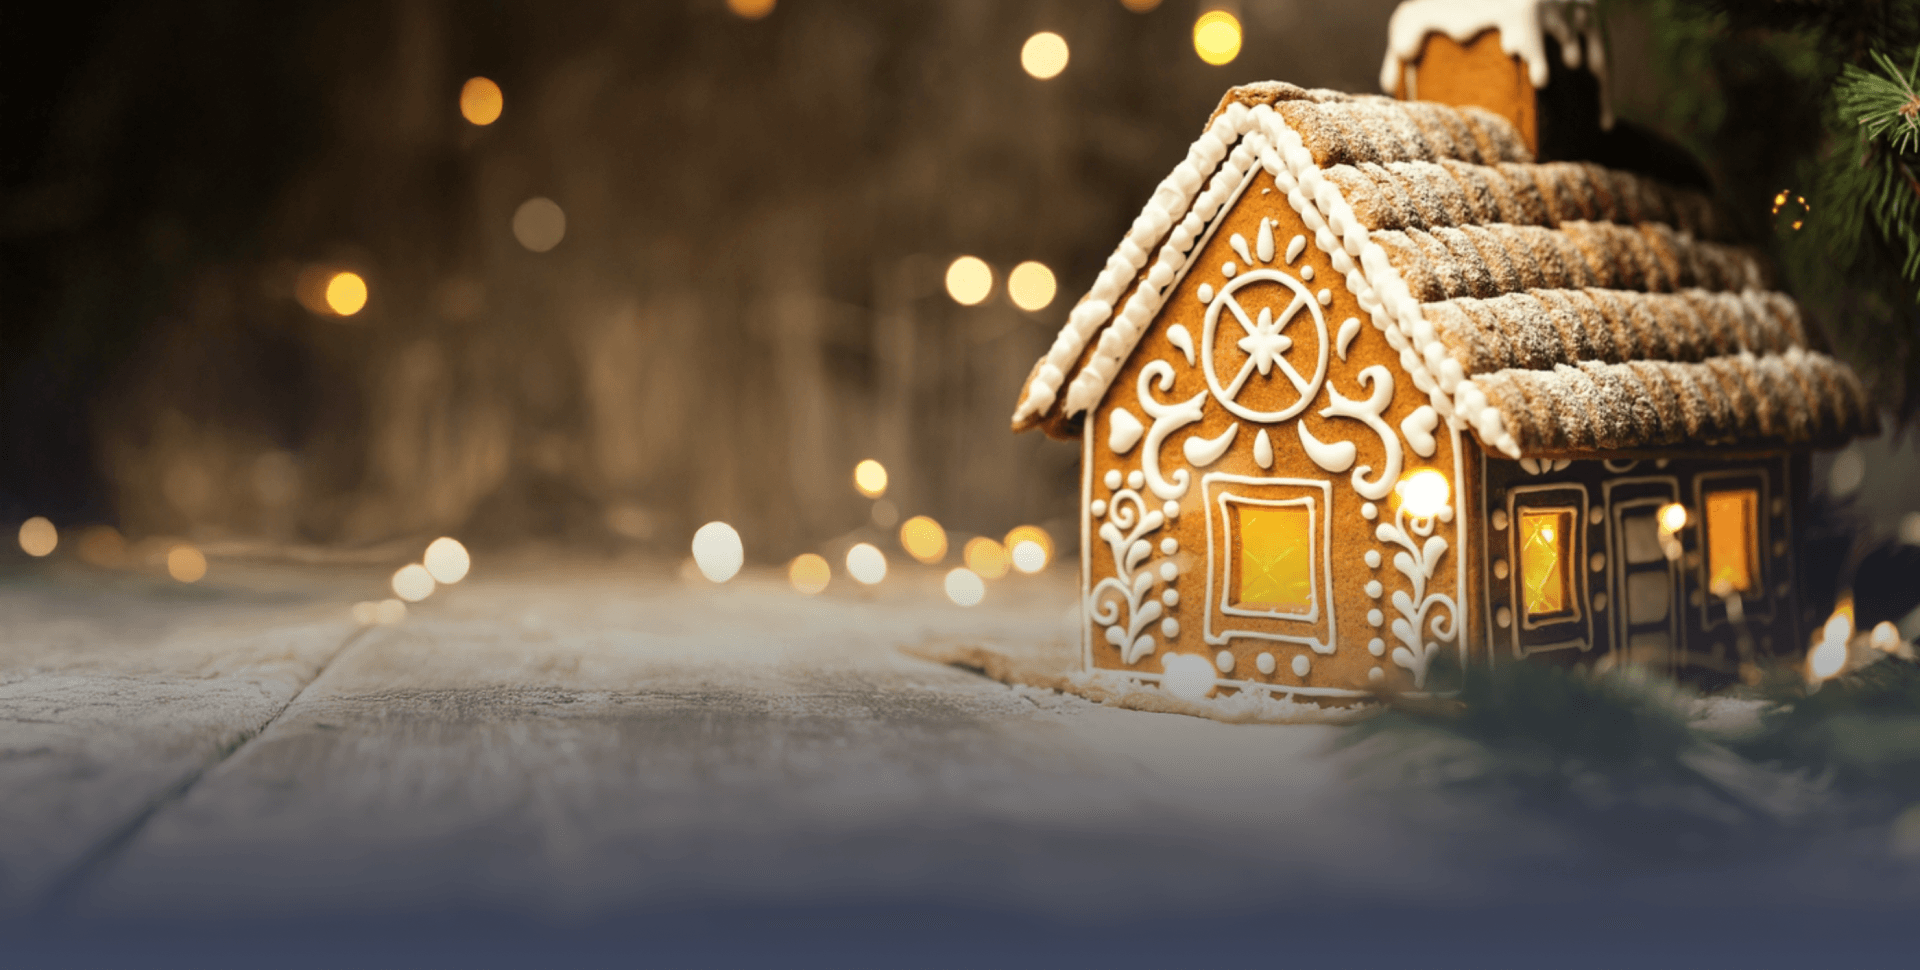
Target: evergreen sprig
1874,180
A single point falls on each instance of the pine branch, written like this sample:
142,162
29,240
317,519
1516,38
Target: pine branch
1873,181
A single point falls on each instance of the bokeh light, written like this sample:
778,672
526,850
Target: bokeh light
539,224
346,293
366,613
969,280
718,552
447,560
1188,676
870,477
186,564
1216,37
923,539
102,547
1423,494
1829,656
413,583
38,537
1044,55
986,557
965,587
390,612
809,573
866,563
481,101
750,9
1673,517
1030,548
1140,6
1031,285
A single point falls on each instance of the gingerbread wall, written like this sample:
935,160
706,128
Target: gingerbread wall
1478,72
1168,442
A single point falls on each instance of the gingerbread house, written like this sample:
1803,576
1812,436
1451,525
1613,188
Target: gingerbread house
1368,384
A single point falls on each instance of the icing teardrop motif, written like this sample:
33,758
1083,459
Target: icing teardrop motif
1124,431
1263,449
1202,452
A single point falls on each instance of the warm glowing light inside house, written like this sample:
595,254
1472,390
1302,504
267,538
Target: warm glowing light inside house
809,573
924,539
539,224
447,560
750,9
1031,285
412,583
1673,517
38,536
186,564
1276,557
1732,520
481,101
965,587
1188,676
986,557
1546,546
1029,547
717,551
866,564
346,293
1044,55
969,280
1424,493
1216,37
870,478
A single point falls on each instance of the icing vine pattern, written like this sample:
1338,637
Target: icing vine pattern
1125,604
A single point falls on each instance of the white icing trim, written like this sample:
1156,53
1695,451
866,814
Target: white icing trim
1123,431
1167,418
1418,427
1182,340
1334,457
1523,25
1202,452
1263,449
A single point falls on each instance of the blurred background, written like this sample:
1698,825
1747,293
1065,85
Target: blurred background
350,273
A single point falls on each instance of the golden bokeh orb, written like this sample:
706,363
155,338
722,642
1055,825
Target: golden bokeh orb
186,564
1216,37
718,552
539,224
447,560
750,9
481,101
1140,6
870,478
809,573
969,280
924,539
1044,55
1029,547
346,293
1031,285
986,557
965,587
413,583
38,537
866,563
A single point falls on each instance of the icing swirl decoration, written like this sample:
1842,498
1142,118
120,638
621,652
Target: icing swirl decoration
1264,341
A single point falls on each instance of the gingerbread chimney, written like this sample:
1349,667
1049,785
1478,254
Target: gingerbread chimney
1539,63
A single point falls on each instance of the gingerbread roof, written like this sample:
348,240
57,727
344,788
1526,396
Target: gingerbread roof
1557,308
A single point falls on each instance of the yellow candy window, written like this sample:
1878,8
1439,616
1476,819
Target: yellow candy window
1732,541
1276,558
1546,551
